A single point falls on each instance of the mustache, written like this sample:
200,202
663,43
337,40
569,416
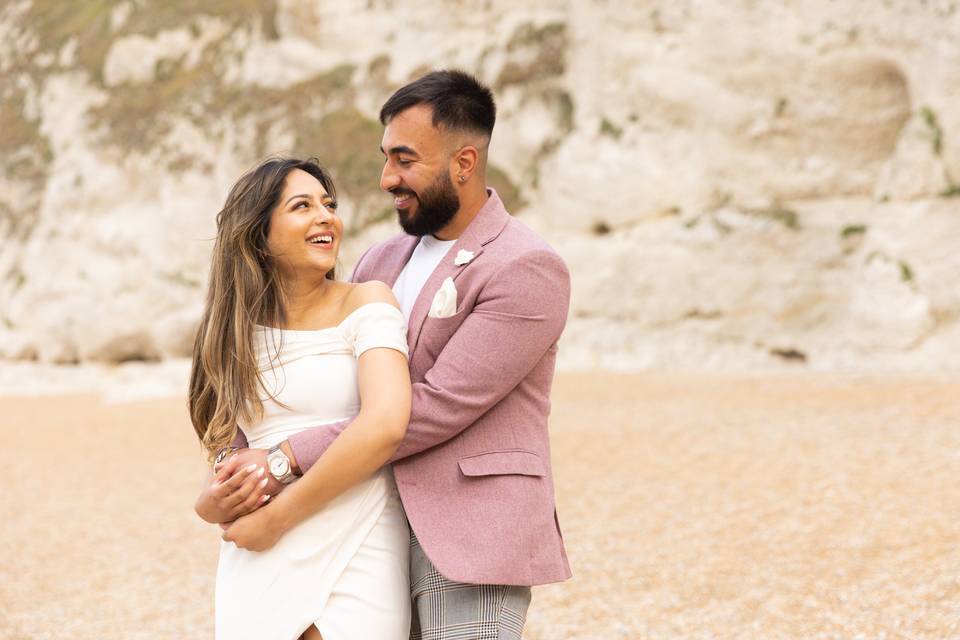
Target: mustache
397,191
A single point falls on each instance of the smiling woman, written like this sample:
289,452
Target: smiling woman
255,251
284,346
305,230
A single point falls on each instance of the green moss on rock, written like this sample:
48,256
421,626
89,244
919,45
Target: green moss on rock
137,117
778,213
25,157
18,131
154,17
55,22
549,43
853,231
347,142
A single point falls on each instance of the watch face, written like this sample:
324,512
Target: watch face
279,466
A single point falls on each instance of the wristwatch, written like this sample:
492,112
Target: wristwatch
279,465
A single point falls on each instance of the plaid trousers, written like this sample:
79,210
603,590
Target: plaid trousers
447,610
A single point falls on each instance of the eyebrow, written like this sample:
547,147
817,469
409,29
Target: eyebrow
326,196
400,149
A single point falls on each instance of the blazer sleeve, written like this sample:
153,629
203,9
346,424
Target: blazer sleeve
518,316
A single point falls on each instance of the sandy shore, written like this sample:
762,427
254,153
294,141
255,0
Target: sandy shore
693,506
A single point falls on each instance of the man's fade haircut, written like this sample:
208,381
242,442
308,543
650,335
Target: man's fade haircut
460,102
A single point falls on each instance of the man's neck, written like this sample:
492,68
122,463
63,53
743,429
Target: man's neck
470,204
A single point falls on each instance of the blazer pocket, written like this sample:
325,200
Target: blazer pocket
493,463
436,332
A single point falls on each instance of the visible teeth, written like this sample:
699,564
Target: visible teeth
321,240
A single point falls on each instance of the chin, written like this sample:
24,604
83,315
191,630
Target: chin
326,265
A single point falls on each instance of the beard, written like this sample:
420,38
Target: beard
436,207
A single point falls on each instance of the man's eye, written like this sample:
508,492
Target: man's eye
404,162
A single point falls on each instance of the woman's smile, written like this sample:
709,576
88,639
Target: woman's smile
321,240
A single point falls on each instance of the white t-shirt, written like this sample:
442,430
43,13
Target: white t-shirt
425,258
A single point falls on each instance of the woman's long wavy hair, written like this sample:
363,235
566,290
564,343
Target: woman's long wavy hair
245,289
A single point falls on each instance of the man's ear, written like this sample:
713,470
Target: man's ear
466,161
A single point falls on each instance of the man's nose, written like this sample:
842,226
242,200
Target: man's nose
388,179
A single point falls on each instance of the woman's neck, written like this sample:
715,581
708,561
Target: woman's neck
304,300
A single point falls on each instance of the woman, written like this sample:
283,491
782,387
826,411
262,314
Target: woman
283,346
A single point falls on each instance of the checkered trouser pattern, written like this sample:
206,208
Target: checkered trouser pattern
447,610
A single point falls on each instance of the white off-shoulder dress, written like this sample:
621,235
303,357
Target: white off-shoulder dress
344,569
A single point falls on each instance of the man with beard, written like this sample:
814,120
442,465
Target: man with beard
486,300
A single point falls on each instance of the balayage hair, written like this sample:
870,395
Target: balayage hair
245,289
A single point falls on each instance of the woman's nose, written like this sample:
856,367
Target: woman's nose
324,215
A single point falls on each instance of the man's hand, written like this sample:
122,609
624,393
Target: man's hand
257,531
235,489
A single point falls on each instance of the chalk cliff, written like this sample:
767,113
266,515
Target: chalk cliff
734,185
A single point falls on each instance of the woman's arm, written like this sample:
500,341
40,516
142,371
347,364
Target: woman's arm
365,446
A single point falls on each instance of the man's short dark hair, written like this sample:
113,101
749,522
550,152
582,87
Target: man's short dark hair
459,101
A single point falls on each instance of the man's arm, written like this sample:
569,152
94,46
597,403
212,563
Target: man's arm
309,449
518,316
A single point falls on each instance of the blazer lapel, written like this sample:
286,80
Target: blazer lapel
389,270
486,226
393,256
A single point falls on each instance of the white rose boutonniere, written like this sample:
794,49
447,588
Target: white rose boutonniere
463,257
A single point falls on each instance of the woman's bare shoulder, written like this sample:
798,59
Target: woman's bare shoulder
368,292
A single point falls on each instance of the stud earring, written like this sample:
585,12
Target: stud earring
462,178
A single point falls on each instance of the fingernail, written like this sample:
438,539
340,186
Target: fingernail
263,482
250,467
260,473
265,498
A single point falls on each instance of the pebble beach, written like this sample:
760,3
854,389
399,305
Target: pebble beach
784,505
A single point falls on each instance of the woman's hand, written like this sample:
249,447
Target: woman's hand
257,531
246,457
232,492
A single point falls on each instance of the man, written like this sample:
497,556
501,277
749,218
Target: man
486,300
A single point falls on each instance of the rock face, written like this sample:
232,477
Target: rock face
734,185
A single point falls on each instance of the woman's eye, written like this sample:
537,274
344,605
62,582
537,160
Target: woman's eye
299,204
332,205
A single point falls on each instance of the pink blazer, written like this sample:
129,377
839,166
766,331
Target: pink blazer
474,469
